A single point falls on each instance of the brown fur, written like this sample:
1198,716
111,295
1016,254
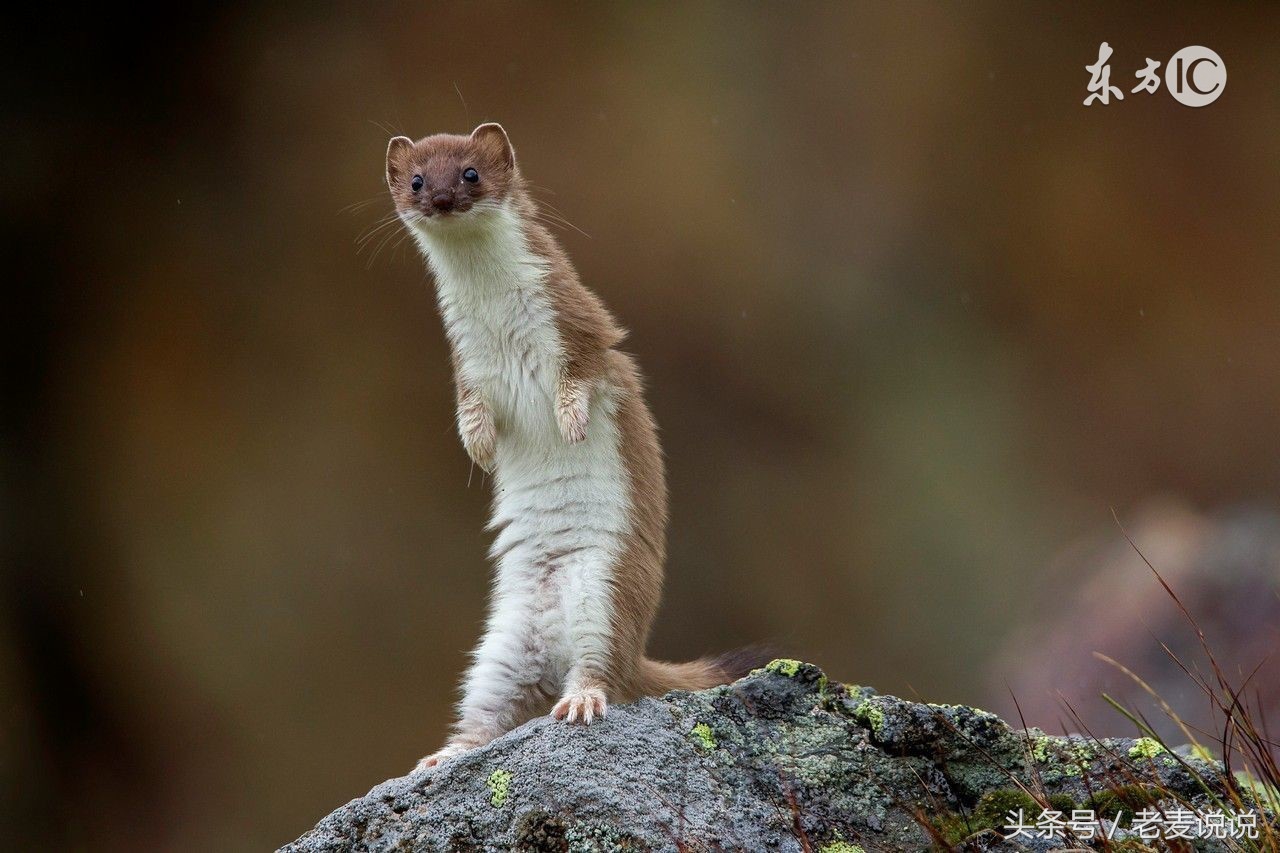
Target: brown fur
590,336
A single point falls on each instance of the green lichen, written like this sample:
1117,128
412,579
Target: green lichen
784,666
1043,749
840,847
705,737
1063,755
499,787
1083,753
870,715
1145,747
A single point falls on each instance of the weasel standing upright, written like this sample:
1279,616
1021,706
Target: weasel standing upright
550,408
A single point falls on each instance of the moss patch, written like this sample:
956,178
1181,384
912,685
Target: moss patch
992,811
1062,802
499,788
952,828
1120,804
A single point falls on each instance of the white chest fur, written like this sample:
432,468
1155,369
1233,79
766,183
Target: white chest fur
562,509
497,316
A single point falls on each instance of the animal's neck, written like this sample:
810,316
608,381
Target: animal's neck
490,287
482,258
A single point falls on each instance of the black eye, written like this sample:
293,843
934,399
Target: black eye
470,175
416,183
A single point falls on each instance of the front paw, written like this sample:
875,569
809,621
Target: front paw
439,757
585,704
480,439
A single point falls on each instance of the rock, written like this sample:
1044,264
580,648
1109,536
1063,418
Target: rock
783,759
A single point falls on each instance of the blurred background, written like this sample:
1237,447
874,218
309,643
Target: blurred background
914,322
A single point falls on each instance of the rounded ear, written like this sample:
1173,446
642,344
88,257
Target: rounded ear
491,133
396,150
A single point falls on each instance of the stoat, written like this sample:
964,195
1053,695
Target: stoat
549,407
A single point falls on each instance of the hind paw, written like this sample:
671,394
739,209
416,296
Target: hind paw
439,757
582,705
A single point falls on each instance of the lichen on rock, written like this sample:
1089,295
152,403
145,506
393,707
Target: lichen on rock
499,787
704,736
1145,747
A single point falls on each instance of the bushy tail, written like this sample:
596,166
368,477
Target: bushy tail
658,677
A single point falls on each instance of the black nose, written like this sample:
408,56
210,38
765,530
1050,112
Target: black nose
442,200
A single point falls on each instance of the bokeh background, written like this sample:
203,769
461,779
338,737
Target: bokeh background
914,321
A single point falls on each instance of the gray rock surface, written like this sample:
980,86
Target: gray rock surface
783,759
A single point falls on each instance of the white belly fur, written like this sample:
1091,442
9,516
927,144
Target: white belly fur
561,510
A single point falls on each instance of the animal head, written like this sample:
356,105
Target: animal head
447,178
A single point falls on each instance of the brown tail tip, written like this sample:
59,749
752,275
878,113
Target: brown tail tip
740,662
